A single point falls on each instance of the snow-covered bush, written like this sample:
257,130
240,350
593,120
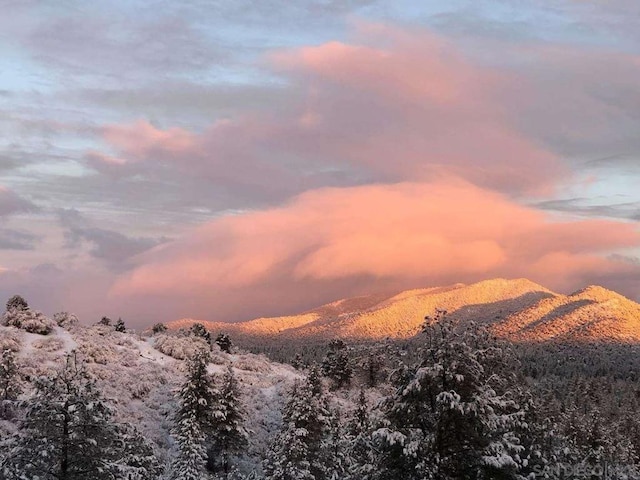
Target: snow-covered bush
65,319
253,363
31,321
146,381
51,344
96,352
9,340
38,323
180,347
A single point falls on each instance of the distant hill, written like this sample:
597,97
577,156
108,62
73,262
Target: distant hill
591,314
518,310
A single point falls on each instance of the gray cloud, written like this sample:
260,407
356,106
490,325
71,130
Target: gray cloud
189,103
114,248
581,206
16,240
12,203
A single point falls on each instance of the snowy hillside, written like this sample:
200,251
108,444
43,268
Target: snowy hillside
141,383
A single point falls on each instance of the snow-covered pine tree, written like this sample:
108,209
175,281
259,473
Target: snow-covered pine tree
159,328
297,362
135,458
199,330
299,451
17,303
189,463
360,448
194,419
336,365
228,434
10,385
224,342
452,415
120,326
67,433
372,368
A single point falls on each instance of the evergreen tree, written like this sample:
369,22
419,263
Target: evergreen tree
299,450
360,448
17,303
135,458
194,419
67,434
190,460
228,435
120,326
224,342
336,364
372,367
198,330
297,362
105,321
452,415
159,328
10,385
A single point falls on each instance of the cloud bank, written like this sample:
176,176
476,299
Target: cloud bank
377,235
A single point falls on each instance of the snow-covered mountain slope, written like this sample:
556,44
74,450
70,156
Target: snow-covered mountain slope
591,314
518,310
393,316
140,382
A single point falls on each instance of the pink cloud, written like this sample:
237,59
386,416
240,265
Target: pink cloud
367,238
392,105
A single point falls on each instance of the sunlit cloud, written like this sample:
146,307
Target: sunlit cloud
415,233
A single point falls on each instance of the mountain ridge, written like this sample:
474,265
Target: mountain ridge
515,309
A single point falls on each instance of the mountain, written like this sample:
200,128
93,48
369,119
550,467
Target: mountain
591,314
518,310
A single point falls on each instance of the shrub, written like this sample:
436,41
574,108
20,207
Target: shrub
179,347
65,319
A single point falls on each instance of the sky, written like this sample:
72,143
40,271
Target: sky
226,160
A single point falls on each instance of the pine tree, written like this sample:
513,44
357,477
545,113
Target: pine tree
159,328
120,326
297,362
194,419
67,434
228,435
336,364
299,451
10,385
372,366
360,448
135,458
452,415
17,303
199,330
224,342
190,460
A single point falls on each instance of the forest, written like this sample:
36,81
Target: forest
453,402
